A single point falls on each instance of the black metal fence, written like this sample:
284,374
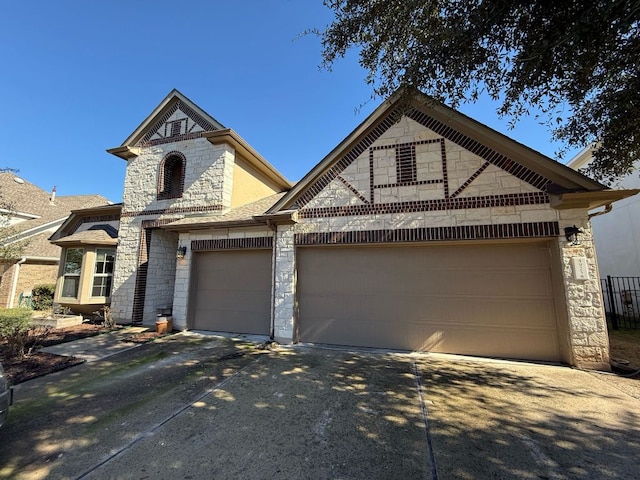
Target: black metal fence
622,301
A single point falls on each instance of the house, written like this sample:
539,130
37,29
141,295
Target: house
88,239
422,230
31,215
616,234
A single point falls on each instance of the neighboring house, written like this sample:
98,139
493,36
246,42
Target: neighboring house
33,215
88,239
617,233
422,230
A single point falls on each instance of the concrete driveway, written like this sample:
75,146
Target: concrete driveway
197,407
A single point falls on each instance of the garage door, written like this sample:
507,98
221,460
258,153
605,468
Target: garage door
231,291
493,300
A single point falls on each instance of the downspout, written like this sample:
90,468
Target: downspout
14,286
607,208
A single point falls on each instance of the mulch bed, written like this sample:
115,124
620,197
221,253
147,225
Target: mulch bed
37,363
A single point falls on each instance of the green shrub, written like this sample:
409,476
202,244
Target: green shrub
43,296
15,324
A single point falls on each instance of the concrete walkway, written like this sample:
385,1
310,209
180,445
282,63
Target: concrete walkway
191,406
97,347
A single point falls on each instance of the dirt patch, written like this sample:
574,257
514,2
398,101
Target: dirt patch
37,363
625,347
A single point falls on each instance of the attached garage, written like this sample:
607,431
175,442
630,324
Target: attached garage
486,299
231,291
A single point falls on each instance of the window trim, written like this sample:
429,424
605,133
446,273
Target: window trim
106,275
169,186
77,276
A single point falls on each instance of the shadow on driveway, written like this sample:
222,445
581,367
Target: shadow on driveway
206,407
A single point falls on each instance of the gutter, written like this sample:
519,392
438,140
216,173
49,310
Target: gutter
14,285
607,208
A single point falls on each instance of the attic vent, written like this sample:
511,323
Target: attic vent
18,180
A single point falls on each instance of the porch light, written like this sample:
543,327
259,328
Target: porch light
571,234
181,252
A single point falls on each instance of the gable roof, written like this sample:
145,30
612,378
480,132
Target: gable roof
39,212
514,157
101,213
171,103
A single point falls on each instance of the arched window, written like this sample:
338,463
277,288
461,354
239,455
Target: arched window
171,178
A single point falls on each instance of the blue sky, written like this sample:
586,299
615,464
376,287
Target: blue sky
78,77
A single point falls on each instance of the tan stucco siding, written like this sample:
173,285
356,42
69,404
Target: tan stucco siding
249,185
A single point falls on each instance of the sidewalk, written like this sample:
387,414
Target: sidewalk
97,347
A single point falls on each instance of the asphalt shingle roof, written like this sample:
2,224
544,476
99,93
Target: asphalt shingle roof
25,197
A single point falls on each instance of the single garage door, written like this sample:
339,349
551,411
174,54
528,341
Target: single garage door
491,300
231,291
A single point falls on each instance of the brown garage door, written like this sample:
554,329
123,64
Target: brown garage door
493,300
231,291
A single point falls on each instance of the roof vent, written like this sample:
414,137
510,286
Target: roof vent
18,180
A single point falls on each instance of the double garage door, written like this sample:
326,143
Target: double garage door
492,300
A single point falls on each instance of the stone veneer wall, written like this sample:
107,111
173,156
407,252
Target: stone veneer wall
208,184
456,193
161,274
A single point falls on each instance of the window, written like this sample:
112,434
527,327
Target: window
103,272
171,178
405,163
72,270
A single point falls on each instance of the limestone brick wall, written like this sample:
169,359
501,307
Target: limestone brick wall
208,176
124,276
161,273
184,266
284,288
586,320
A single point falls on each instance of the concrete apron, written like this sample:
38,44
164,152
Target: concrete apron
318,413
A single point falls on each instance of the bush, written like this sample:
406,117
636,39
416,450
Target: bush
43,296
15,324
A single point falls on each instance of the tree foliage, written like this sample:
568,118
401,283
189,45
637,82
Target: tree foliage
10,247
580,54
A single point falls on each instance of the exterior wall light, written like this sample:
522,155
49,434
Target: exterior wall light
571,234
181,252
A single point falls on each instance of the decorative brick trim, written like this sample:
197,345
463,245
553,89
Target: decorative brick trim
164,211
350,156
141,275
158,222
470,180
231,244
189,112
431,234
507,200
408,184
173,165
396,145
499,160
352,188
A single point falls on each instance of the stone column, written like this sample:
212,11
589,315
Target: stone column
587,324
181,289
284,297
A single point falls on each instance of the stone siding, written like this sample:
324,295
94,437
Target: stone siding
161,274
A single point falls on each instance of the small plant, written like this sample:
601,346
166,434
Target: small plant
43,296
105,315
16,330
60,311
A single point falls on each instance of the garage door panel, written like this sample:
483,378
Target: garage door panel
410,298
232,291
